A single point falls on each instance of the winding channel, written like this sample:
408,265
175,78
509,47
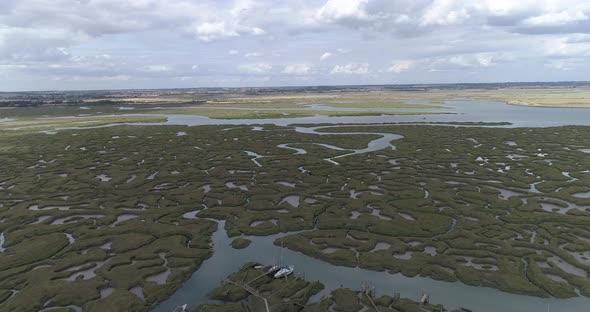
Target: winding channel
375,145
226,260
2,249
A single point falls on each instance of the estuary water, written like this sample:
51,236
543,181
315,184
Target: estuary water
458,110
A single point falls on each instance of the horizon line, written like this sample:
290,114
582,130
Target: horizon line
578,83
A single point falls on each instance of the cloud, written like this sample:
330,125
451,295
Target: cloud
565,47
463,61
253,54
578,38
116,78
326,56
258,68
415,18
25,44
157,68
221,30
297,69
444,13
484,60
351,69
343,10
556,19
566,65
156,43
212,31
12,66
400,67
540,17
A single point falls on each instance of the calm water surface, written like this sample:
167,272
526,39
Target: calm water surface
457,111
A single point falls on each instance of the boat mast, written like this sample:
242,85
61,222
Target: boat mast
281,254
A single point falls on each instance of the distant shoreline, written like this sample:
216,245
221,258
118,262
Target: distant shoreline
522,103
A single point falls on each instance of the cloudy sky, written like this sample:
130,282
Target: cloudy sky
106,44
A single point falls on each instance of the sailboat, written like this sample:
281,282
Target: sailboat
284,270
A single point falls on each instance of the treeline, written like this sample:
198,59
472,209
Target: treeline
21,103
37,103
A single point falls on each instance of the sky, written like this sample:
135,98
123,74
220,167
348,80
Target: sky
120,44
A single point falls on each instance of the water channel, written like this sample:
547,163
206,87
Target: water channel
226,260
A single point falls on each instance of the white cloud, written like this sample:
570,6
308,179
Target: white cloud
297,69
116,78
12,66
228,24
400,67
256,31
463,61
459,61
157,68
560,65
63,39
556,19
195,67
258,68
444,12
484,60
253,54
351,68
211,31
221,30
578,38
540,17
562,47
325,56
337,10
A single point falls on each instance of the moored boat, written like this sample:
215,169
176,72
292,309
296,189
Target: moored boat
284,271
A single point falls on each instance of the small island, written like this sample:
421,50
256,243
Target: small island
254,289
240,243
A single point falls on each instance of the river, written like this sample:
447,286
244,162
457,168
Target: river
226,260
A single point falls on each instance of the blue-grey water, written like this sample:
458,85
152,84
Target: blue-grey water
458,110
455,111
